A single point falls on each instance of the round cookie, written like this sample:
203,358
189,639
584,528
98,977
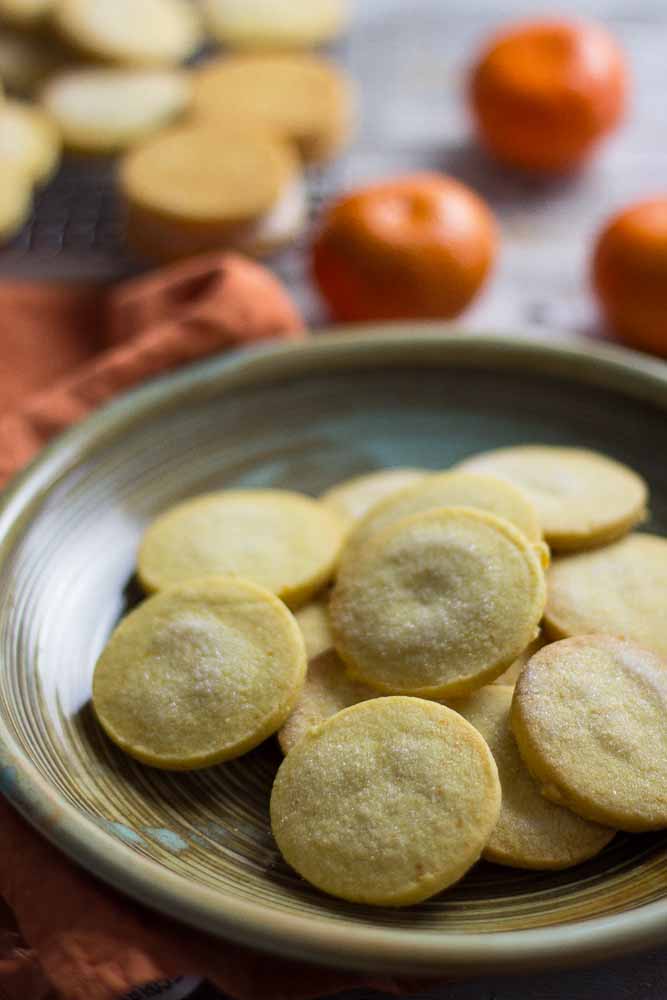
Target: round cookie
103,110
386,803
589,718
619,590
437,604
313,620
199,674
131,32
15,201
582,498
453,489
353,498
275,24
531,831
25,13
29,141
283,541
194,188
304,98
327,690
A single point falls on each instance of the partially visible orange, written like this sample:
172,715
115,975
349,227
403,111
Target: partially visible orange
419,246
544,92
629,272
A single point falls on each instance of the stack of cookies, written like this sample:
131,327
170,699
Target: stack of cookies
216,151
442,691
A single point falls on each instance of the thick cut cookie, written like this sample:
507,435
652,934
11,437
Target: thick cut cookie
452,489
386,803
199,674
193,188
275,24
313,620
283,541
130,32
353,498
437,604
327,690
29,141
100,110
590,718
531,831
618,590
582,498
305,99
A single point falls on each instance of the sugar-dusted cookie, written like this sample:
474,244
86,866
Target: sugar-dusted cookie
275,24
313,620
200,673
589,716
283,541
386,803
29,141
327,690
353,498
453,489
437,604
619,590
103,109
304,98
131,32
193,188
582,497
531,831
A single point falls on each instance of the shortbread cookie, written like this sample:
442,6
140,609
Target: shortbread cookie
103,110
306,99
283,541
327,690
589,719
354,498
386,803
582,498
199,674
531,831
437,604
275,24
618,590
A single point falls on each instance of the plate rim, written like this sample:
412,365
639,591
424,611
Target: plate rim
361,947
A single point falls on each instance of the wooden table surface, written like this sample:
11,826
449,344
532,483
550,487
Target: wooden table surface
409,59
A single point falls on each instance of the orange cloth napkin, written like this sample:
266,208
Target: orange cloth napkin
64,351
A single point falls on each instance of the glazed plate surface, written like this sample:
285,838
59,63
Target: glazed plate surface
198,845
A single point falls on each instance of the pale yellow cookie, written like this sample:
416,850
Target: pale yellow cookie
15,201
283,541
200,673
531,832
26,59
437,604
453,489
25,13
275,24
304,98
353,498
327,690
582,498
513,673
29,141
620,590
386,803
132,32
192,189
589,716
103,110
313,620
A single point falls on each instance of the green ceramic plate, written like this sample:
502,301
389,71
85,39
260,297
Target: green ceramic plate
198,845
